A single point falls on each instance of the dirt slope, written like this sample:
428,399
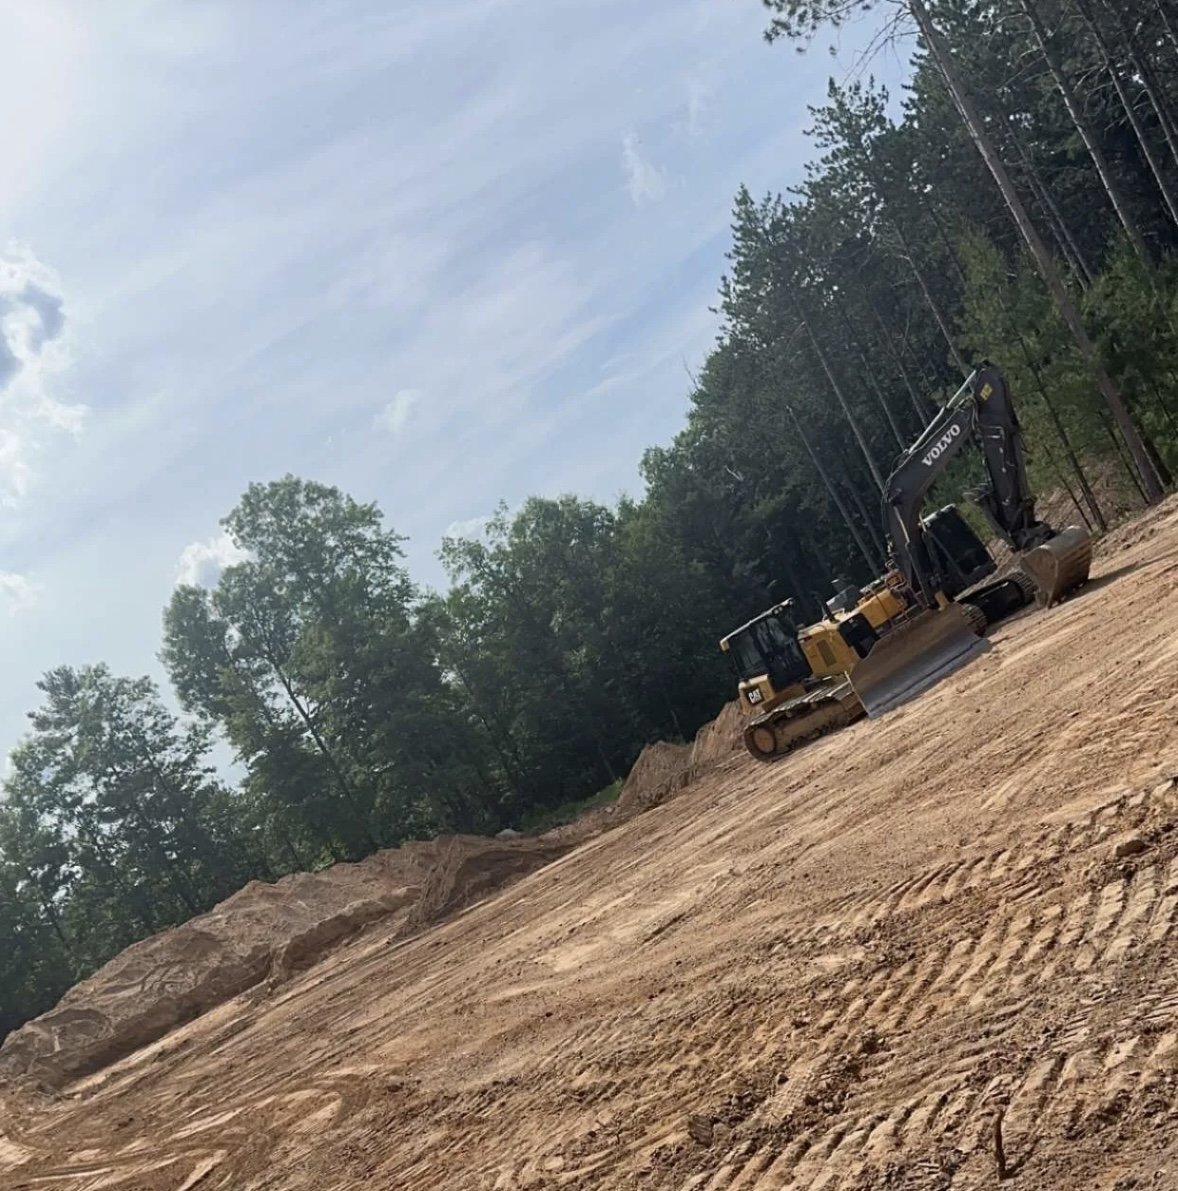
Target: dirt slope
263,932
840,973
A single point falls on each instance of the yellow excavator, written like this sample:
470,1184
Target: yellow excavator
881,645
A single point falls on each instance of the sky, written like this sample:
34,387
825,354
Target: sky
437,254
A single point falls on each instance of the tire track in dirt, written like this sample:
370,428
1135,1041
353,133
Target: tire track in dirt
992,975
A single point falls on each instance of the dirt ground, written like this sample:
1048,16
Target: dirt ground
862,968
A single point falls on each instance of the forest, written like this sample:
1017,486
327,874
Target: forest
1019,205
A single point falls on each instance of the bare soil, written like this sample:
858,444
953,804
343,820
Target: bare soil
910,949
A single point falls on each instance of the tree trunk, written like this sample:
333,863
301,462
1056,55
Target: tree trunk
881,190
1074,254
1084,129
1149,80
933,305
1126,462
1150,481
1094,509
869,372
872,563
1130,111
328,755
1168,25
923,414
300,865
873,523
852,421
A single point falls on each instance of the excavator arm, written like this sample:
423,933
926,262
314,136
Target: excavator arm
980,411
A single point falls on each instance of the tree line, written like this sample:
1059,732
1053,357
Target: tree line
1022,206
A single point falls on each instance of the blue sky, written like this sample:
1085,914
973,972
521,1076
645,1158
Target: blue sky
436,254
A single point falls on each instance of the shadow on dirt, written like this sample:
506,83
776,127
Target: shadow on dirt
1102,581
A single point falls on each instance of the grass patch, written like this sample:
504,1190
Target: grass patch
557,816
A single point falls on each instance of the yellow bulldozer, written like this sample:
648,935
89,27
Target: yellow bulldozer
879,646
793,683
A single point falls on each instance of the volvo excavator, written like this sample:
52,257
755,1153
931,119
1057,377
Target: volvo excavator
883,644
942,633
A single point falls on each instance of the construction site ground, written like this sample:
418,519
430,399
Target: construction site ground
927,952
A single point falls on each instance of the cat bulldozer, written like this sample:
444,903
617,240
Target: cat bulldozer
883,644
794,681
942,631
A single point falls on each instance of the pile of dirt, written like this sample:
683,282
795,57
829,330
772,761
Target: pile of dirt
467,868
661,767
263,932
717,741
664,767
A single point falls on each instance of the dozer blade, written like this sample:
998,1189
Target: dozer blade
1059,565
914,656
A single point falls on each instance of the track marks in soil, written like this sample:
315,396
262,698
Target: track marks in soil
974,1002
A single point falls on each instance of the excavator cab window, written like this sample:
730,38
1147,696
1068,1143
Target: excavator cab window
958,554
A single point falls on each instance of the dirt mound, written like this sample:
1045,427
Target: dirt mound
664,767
264,931
469,867
660,768
719,739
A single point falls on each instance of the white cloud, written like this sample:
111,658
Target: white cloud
472,527
16,593
395,415
644,181
309,245
201,563
31,324
699,98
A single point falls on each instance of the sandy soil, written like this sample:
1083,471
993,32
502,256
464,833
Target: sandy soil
857,969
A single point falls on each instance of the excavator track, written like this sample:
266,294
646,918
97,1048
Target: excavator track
826,708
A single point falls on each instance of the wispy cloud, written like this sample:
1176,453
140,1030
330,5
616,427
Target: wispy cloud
644,181
472,527
32,320
16,593
308,246
699,99
201,563
394,417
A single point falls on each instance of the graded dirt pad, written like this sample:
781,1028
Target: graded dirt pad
857,969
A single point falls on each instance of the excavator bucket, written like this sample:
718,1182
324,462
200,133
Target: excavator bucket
1059,565
914,656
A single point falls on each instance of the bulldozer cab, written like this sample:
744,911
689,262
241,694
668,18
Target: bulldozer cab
767,647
